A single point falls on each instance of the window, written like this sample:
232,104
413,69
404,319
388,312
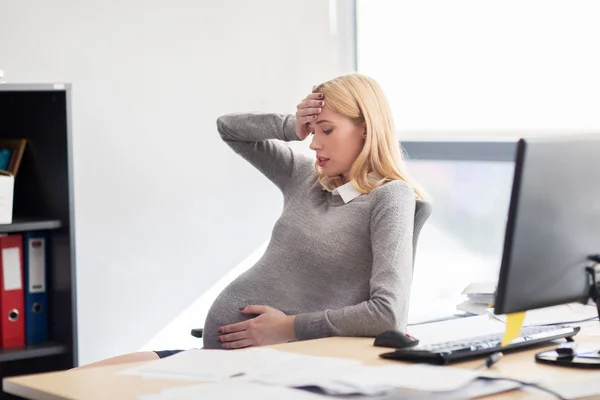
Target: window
470,67
462,240
467,68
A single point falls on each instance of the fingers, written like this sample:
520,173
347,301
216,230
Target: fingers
308,111
240,344
232,337
307,103
252,309
240,326
307,119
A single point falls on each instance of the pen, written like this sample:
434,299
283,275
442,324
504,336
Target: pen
491,360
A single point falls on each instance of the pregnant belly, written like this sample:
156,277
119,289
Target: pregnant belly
226,308
224,311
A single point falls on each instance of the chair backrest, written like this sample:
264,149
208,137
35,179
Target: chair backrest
422,213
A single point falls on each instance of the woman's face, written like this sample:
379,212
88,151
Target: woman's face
337,142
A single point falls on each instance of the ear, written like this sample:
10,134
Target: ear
364,134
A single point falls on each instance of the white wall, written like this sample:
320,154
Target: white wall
471,67
163,208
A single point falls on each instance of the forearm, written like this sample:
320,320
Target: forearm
258,138
254,127
368,318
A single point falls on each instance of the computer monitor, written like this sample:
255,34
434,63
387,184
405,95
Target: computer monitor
553,225
550,257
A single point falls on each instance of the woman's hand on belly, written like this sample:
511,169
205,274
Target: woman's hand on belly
271,326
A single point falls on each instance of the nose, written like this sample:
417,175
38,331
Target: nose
314,144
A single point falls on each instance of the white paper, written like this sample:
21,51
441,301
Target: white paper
232,389
480,287
373,380
576,386
417,376
473,308
11,268
486,299
456,329
563,314
37,265
215,365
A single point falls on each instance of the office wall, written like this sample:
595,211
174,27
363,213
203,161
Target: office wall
163,208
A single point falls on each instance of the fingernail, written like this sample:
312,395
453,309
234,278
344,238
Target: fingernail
220,330
321,103
241,308
321,95
314,117
219,340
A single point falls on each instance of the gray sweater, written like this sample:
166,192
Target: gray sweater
342,269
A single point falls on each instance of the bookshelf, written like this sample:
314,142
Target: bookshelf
43,200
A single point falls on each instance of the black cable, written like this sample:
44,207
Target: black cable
494,358
593,270
533,385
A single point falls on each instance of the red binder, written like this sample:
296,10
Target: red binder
12,297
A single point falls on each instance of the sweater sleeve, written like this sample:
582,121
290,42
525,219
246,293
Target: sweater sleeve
392,220
259,138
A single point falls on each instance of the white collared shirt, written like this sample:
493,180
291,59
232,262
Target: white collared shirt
347,191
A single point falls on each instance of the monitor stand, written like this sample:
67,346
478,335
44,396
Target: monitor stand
570,354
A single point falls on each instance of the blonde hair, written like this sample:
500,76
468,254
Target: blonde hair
362,100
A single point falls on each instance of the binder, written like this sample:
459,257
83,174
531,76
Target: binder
35,263
12,321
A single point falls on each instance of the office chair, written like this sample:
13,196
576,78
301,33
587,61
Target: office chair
422,213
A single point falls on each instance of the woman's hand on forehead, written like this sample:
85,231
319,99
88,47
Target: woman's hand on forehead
308,112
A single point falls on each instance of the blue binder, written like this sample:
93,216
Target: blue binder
35,265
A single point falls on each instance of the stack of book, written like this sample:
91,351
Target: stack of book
480,297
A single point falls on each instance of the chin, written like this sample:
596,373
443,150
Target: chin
331,174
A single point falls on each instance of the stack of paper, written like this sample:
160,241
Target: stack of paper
234,389
415,381
217,365
275,368
480,297
239,388
372,380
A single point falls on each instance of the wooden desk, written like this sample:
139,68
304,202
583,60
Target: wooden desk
101,384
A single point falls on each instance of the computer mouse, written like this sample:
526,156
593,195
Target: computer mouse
395,339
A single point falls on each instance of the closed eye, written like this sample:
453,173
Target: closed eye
327,132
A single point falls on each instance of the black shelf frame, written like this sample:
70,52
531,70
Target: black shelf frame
34,351
30,224
43,200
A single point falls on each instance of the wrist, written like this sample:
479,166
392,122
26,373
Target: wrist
289,327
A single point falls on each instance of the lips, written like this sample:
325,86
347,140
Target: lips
322,161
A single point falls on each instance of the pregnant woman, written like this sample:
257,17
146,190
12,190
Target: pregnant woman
339,262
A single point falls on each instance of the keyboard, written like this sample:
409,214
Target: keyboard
477,347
